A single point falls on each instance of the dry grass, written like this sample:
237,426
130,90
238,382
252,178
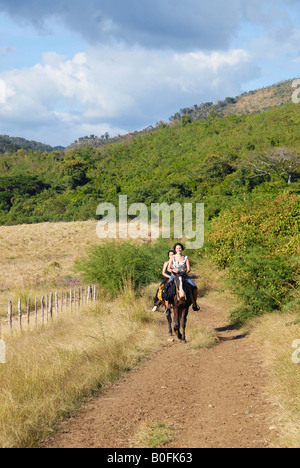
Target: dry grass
200,336
49,372
36,258
277,339
154,435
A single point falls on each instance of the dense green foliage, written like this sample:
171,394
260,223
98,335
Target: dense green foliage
259,244
12,144
203,161
137,265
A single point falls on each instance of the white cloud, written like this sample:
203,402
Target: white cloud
2,92
129,88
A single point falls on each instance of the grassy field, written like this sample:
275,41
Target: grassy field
36,259
35,254
277,339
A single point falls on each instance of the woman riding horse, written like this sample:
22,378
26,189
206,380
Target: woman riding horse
179,263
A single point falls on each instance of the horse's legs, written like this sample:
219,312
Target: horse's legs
184,320
177,324
169,317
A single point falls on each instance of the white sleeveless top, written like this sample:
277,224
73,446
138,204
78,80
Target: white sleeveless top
179,265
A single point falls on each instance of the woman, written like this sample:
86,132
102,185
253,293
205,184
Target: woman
180,262
167,274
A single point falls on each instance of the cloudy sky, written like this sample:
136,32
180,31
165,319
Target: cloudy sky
81,67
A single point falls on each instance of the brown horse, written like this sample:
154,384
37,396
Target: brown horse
182,302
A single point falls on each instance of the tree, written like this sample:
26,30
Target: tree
74,172
282,161
185,120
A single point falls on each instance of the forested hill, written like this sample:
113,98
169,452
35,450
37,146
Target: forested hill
215,160
11,144
248,103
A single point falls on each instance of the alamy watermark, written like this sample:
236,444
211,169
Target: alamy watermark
296,93
137,221
296,354
2,352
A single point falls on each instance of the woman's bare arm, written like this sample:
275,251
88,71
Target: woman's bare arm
165,268
188,267
170,266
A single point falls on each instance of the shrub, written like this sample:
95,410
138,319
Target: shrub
114,265
262,282
258,244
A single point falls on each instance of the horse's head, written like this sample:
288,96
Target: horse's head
180,292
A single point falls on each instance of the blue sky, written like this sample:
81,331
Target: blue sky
70,69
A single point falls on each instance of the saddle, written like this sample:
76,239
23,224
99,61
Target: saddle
169,291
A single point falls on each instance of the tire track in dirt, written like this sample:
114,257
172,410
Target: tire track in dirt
213,398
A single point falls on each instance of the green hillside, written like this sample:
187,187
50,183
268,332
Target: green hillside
248,103
11,144
207,160
244,168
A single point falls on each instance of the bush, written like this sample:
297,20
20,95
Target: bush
258,244
113,265
262,282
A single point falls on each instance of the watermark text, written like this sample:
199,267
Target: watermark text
137,221
296,354
296,93
2,352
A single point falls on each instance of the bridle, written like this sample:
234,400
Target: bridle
181,295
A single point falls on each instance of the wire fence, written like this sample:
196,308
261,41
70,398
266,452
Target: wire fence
40,311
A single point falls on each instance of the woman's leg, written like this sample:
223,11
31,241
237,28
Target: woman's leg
195,292
167,302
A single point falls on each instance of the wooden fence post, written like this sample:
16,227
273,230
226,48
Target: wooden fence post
47,310
20,314
42,309
89,293
56,304
9,315
28,311
51,305
36,312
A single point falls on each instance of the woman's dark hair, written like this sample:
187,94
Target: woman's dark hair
171,251
178,243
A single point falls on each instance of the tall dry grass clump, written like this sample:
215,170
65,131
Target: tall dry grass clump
277,339
50,371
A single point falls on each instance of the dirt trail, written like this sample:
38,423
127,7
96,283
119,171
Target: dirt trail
213,398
